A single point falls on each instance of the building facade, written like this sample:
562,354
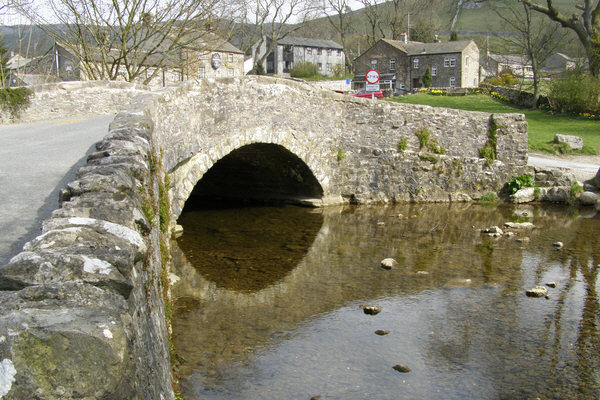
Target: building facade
402,64
327,55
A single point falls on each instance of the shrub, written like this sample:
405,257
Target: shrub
575,92
506,79
519,182
338,69
427,78
15,100
304,70
489,198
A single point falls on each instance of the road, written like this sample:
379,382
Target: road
36,161
583,167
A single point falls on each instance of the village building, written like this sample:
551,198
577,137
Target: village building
327,55
519,66
402,64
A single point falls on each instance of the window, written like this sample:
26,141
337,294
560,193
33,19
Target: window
319,51
328,67
416,63
320,65
446,62
433,71
467,61
339,52
230,57
402,86
452,82
449,62
329,52
201,72
373,63
230,72
452,62
309,50
392,64
68,68
175,76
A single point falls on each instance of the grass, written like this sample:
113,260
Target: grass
542,124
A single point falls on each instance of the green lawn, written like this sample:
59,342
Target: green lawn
542,124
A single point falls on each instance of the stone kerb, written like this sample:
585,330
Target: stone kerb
81,312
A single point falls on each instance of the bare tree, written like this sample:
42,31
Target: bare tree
375,22
536,39
584,20
273,20
339,15
128,39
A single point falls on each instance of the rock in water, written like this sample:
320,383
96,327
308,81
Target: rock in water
538,291
401,368
381,332
388,263
371,310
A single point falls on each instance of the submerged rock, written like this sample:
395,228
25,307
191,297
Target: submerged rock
381,332
493,230
558,245
588,198
538,291
519,225
388,263
551,284
401,368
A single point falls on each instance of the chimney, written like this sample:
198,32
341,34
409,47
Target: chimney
404,37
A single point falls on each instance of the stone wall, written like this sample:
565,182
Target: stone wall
64,100
82,308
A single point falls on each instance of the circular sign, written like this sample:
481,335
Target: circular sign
216,61
372,76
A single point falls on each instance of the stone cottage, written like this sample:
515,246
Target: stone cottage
402,64
327,55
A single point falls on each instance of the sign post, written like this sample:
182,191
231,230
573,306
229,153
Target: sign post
372,77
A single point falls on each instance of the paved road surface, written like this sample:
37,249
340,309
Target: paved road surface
584,167
36,161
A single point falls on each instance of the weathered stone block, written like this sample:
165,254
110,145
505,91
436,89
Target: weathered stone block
575,142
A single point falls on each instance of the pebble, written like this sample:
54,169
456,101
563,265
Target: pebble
551,284
382,332
523,240
371,310
388,263
381,223
401,368
558,245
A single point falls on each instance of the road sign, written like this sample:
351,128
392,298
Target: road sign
373,87
372,76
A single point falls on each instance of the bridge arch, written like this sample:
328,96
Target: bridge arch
264,166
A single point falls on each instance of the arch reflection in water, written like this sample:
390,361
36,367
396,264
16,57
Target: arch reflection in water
247,249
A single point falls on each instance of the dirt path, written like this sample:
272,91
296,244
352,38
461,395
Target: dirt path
584,167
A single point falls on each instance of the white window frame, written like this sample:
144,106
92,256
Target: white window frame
230,57
434,71
320,65
201,72
452,82
230,72
329,52
466,61
415,63
373,63
339,52
328,67
392,64
446,62
452,62
319,51
309,50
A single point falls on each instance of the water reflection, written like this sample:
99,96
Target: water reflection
455,307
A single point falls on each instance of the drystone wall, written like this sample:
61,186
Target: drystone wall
82,308
67,100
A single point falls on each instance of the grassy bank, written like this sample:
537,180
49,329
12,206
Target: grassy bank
542,124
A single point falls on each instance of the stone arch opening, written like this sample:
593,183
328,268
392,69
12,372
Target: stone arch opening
258,173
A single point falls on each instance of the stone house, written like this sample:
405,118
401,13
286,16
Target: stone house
518,65
402,64
327,55
207,57
54,65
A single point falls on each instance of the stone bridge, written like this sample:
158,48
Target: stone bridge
85,309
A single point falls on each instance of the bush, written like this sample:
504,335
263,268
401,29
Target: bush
338,69
575,92
519,182
15,100
304,70
506,79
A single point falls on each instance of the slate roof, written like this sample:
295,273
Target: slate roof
416,48
307,42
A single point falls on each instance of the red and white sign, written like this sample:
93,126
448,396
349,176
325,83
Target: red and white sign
372,76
